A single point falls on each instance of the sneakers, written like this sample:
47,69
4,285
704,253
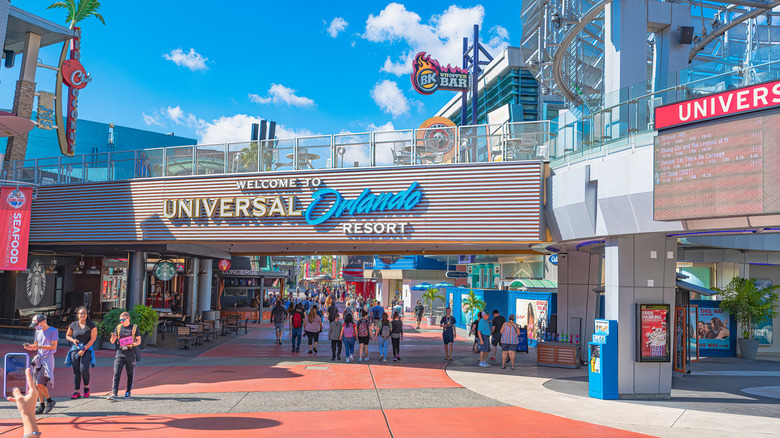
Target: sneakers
75,395
297,350
366,358
308,352
395,358
380,358
347,360
360,359
384,359
293,350
49,407
86,392
127,394
112,397
338,357
398,357
332,358
484,365
315,349
39,409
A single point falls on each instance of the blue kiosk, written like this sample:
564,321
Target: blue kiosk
603,361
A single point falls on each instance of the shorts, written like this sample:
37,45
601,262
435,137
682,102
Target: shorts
39,374
448,338
484,347
363,339
279,326
419,318
509,347
496,340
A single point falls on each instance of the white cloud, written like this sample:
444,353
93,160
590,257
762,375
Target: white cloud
280,94
441,37
152,120
192,60
386,127
225,129
337,25
390,99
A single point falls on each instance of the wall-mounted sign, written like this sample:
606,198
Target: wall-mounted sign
164,270
72,74
36,282
553,259
736,101
45,113
653,333
428,76
436,138
456,274
224,265
14,227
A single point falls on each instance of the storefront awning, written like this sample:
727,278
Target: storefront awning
690,287
530,283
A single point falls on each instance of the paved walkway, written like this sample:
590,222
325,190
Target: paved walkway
248,383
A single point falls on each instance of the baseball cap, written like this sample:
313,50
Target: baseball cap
37,319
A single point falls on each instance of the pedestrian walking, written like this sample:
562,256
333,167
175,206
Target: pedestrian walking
290,310
334,335
296,327
278,315
396,335
419,311
376,316
128,339
82,333
473,331
333,311
447,325
364,335
42,365
349,336
510,337
383,336
496,324
483,332
313,327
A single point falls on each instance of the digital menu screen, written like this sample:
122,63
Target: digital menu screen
718,169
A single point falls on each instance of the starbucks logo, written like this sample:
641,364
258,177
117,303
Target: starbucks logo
164,270
36,282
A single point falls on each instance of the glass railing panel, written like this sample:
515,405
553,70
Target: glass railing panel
179,160
210,160
394,148
123,165
48,171
275,153
313,152
96,167
439,145
72,169
352,150
151,163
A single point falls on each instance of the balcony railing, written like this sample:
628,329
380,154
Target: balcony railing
439,146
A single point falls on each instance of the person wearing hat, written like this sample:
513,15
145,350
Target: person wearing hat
42,364
126,334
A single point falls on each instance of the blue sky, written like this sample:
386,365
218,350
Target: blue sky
209,69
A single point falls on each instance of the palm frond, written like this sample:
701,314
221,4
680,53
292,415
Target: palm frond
68,5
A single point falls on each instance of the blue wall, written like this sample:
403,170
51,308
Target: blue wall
502,300
410,262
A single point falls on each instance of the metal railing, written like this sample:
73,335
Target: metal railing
438,146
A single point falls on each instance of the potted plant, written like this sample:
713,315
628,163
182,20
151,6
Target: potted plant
750,305
472,304
430,296
146,319
108,324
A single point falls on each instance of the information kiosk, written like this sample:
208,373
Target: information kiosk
603,361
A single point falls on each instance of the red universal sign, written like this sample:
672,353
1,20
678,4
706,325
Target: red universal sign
737,101
14,227
224,265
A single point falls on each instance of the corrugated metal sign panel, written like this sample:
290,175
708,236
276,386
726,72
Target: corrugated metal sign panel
478,202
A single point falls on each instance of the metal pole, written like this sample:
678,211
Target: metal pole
464,95
475,76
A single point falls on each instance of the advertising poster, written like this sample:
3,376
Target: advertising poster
532,314
713,329
653,320
14,227
763,332
693,340
465,316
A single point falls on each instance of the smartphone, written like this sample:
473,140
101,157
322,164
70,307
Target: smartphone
13,372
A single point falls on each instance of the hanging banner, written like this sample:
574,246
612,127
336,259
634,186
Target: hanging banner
14,227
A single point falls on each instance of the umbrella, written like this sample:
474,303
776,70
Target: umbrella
422,286
443,284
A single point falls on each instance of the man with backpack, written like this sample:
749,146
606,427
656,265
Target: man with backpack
126,353
376,316
278,314
363,335
296,327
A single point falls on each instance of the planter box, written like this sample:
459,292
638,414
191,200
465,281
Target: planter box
431,320
748,348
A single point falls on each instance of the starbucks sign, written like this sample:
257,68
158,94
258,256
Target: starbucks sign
164,270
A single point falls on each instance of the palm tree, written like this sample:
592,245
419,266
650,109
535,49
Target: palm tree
76,13
430,296
472,303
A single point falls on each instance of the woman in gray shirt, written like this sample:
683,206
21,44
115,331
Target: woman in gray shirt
334,334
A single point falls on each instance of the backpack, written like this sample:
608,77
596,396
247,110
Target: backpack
297,320
377,312
362,328
385,332
349,330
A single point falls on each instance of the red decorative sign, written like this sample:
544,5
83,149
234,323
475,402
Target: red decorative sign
224,265
653,320
76,78
737,101
428,76
14,227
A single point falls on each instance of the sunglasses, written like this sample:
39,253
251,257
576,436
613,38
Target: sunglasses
123,319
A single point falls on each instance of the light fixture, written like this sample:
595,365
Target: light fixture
52,269
80,268
93,270
203,273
